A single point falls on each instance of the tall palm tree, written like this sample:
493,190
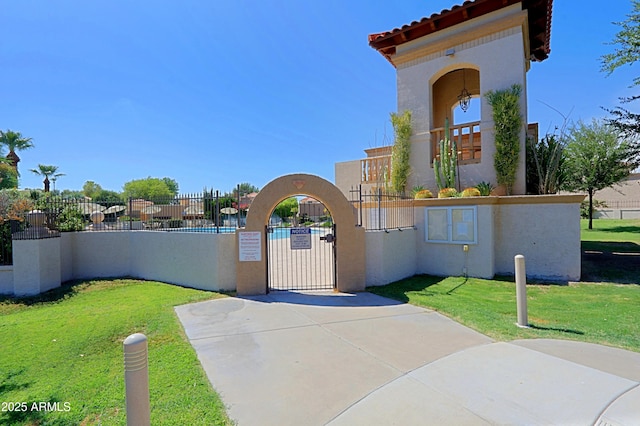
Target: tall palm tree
47,171
15,142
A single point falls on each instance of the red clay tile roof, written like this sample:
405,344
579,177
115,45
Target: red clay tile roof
539,25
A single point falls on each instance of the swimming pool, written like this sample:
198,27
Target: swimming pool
276,234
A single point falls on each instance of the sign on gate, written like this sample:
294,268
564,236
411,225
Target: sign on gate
300,238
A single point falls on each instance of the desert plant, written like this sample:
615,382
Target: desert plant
507,121
423,193
485,188
416,189
401,150
445,166
470,192
544,164
447,193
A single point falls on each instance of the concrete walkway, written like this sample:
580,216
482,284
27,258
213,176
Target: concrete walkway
360,359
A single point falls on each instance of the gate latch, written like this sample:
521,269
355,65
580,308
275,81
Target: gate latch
329,238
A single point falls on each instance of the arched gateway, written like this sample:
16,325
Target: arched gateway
251,264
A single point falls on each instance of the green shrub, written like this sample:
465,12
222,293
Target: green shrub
470,192
447,193
70,219
401,150
507,121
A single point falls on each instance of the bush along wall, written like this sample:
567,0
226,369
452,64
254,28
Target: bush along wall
507,120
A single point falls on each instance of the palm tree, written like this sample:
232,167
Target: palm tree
15,142
47,171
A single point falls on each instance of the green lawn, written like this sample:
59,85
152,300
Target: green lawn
611,235
605,312
598,313
66,346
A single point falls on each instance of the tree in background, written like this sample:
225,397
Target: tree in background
152,189
627,52
91,189
245,188
172,184
47,172
595,158
287,208
14,141
8,176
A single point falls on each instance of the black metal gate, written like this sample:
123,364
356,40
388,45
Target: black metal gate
301,258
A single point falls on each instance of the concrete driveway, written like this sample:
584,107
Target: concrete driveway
361,359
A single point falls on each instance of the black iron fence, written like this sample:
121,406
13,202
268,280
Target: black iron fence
379,209
207,212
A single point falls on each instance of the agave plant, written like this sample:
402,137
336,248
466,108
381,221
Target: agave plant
485,188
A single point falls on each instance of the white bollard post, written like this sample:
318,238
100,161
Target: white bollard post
136,377
521,291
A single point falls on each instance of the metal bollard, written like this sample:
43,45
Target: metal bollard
521,291
136,378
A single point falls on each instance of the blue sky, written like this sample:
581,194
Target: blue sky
214,93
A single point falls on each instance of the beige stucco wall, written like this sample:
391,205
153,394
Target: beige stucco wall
548,235
449,259
36,266
391,255
350,241
347,176
6,279
198,260
545,229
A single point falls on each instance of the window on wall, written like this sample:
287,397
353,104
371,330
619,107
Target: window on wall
451,225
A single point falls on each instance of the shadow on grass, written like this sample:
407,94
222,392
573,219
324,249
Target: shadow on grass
66,291
35,413
561,330
418,283
618,229
616,262
63,292
11,383
611,246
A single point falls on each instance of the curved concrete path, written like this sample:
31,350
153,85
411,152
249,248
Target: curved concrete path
360,359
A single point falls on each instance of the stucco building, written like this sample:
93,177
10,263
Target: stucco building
446,60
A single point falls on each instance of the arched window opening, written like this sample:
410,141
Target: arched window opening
464,126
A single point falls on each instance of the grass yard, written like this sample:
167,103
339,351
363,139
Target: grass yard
66,346
604,312
622,235
611,251
598,313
